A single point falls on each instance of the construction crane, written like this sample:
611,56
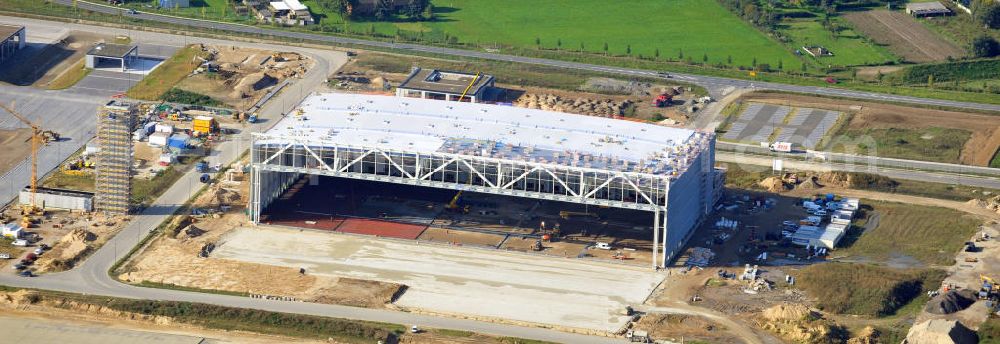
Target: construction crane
467,88
38,138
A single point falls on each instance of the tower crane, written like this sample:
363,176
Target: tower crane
38,137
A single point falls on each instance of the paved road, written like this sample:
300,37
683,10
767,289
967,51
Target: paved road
875,163
763,163
706,81
91,277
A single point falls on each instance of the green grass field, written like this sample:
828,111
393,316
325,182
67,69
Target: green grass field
929,144
849,48
168,74
865,289
696,28
205,9
930,235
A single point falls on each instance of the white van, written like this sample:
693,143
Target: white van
603,246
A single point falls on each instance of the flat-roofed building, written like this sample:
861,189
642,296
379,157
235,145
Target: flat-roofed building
926,9
121,53
445,85
13,39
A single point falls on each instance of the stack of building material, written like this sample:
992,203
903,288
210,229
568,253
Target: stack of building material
700,256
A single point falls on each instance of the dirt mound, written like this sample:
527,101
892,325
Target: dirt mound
856,180
251,83
788,312
809,184
20,297
951,302
868,335
940,331
613,86
78,235
989,203
773,184
359,293
677,326
798,323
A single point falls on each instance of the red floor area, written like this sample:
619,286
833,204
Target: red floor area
323,224
381,228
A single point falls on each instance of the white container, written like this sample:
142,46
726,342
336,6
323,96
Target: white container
164,128
159,139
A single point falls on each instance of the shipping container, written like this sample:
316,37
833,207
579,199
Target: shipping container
158,139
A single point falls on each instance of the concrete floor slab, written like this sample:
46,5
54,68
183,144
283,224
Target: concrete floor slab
459,280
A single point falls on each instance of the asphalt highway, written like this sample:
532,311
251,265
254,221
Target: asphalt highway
705,81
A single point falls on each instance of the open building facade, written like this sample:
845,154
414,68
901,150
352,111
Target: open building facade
532,154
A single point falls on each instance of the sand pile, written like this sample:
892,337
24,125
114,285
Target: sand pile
940,331
810,184
788,312
773,184
797,323
992,203
868,335
951,302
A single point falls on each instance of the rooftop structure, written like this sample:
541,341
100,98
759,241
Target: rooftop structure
923,9
493,149
445,85
12,39
290,12
122,53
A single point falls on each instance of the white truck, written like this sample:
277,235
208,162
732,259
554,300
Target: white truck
784,147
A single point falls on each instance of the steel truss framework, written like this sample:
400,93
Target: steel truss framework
293,155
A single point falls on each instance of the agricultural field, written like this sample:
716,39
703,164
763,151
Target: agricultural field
694,28
904,35
205,9
928,144
849,47
906,235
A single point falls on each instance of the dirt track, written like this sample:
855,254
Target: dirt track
977,151
904,35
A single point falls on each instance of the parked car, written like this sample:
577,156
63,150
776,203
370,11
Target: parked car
789,223
31,257
26,273
4,256
19,266
20,242
43,247
39,251
414,329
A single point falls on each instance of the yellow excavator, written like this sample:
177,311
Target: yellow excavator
39,138
453,206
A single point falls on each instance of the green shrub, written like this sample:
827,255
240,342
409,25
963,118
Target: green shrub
961,70
176,95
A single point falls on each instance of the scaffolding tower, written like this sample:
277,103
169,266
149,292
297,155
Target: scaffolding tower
115,122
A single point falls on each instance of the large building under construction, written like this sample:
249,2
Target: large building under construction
491,149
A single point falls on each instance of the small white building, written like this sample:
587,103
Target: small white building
926,9
158,139
290,12
12,230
